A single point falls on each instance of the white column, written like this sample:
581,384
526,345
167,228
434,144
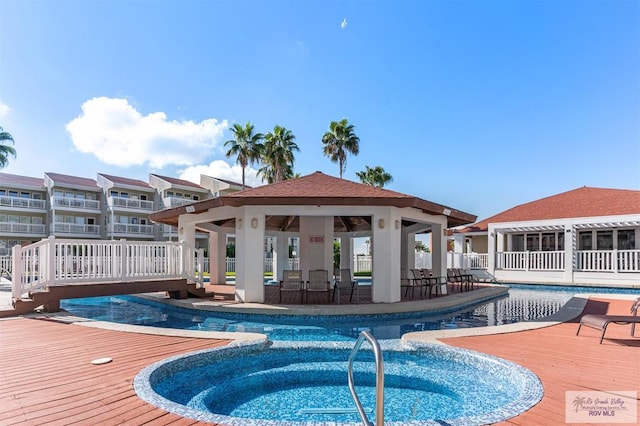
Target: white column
491,250
280,256
346,253
217,258
569,252
250,256
385,284
316,243
439,252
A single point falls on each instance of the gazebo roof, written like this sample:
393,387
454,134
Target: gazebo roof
316,189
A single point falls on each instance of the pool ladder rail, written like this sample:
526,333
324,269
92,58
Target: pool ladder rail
377,353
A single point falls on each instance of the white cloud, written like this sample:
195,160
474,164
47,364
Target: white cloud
116,133
343,25
222,170
4,109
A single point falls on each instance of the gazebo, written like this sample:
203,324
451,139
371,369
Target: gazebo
317,209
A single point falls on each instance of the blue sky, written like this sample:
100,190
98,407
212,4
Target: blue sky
479,105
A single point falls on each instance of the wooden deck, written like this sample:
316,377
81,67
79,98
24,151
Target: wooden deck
46,376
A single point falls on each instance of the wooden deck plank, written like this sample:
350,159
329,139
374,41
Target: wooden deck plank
46,376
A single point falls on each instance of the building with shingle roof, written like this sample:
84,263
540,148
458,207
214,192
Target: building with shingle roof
586,235
317,209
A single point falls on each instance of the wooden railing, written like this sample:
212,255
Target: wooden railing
54,261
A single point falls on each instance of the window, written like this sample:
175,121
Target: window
143,197
124,194
604,240
517,242
533,242
548,242
626,239
91,221
3,192
585,240
196,198
36,196
114,193
13,193
561,241
25,195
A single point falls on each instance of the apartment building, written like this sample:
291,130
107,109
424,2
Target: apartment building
109,207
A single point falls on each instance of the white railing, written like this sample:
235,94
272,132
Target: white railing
130,203
530,260
176,201
5,264
21,228
73,228
53,262
476,261
608,260
22,203
128,228
76,203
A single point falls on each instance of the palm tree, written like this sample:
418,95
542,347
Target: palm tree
6,140
245,146
375,176
277,156
338,141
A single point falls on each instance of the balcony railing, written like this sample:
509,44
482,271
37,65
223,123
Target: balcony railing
130,203
127,228
176,201
72,228
75,203
22,203
21,228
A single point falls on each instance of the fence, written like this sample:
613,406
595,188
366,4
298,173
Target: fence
54,262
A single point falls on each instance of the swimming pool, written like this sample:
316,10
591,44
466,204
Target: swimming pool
520,305
293,384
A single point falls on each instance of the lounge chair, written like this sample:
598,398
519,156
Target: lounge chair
601,322
292,281
318,283
344,281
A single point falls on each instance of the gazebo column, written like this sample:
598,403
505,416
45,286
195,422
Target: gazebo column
250,256
385,285
316,243
217,257
280,256
346,252
439,252
407,252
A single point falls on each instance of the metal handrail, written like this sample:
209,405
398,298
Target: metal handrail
377,353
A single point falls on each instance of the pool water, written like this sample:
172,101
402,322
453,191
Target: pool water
520,305
308,385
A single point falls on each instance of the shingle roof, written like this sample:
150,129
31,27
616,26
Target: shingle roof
21,181
580,202
176,181
73,181
126,181
318,189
